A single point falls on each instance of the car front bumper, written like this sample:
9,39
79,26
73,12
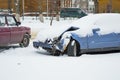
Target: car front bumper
41,44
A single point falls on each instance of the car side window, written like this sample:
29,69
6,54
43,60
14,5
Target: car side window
11,21
2,21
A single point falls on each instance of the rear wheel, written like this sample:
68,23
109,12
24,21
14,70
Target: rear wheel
25,41
73,48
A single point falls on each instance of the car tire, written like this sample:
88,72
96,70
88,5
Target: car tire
73,48
56,54
25,41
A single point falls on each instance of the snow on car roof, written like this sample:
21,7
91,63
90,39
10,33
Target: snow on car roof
107,22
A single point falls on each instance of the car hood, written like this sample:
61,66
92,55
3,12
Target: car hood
50,33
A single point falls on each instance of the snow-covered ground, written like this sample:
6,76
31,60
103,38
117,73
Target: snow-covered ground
32,64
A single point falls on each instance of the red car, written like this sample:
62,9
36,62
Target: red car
11,32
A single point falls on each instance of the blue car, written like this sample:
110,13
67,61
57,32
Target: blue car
92,33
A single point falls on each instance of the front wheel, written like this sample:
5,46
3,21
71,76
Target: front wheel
25,41
73,48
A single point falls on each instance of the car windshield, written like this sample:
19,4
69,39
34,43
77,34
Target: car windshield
2,20
11,21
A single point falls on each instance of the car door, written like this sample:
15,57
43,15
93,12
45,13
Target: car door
16,31
4,32
97,41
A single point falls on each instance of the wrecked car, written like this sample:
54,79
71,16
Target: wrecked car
92,33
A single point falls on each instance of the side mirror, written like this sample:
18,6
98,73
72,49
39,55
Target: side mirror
18,23
96,30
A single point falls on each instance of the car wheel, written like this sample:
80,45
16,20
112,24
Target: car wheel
25,41
56,54
73,48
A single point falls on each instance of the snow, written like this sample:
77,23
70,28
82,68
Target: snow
106,22
31,64
54,31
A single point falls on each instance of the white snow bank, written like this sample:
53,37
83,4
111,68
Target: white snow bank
28,64
35,25
44,29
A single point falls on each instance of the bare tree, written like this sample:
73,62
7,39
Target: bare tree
9,6
57,9
75,3
96,6
109,6
54,8
51,10
40,11
17,4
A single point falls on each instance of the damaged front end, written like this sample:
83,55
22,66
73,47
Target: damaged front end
57,45
54,46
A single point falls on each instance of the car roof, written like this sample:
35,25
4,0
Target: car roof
4,14
70,9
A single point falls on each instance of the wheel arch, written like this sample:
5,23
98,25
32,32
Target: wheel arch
76,38
69,48
27,33
25,42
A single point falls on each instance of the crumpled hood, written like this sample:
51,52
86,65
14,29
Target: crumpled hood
50,33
